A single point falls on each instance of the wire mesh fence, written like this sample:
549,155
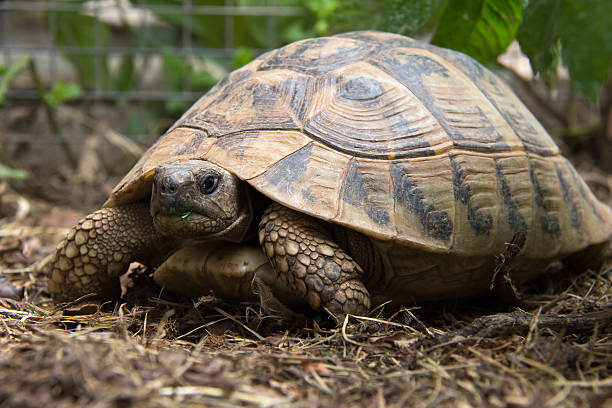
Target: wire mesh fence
138,53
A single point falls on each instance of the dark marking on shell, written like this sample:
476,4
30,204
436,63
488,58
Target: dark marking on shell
355,192
435,223
584,195
361,88
300,58
192,146
287,171
515,218
575,214
308,195
481,223
549,222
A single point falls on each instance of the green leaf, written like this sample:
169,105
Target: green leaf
11,72
538,36
242,56
586,43
9,173
125,79
175,69
410,16
62,92
480,28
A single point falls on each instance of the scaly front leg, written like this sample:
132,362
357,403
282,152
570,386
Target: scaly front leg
99,249
310,264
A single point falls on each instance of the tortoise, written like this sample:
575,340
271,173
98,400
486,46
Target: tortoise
365,166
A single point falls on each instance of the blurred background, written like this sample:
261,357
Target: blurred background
87,86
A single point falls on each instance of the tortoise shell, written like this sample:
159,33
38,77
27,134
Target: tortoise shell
392,137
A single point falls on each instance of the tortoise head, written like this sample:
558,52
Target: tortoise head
200,201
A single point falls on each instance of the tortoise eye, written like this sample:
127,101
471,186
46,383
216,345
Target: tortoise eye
208,183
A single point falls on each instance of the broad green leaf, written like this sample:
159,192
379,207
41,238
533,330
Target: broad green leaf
175,68
538,35
62,92
480,28
242,56
586,43
11,72
125,79
9,173
410,16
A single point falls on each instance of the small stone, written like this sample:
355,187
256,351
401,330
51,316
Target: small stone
72,250
87,225
291,247
325,249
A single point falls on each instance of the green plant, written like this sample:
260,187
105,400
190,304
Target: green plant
8,73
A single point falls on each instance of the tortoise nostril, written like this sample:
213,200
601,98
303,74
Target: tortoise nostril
169,185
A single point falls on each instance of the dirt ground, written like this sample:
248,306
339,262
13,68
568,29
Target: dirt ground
553,348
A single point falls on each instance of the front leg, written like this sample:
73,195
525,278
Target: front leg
310,263
99,249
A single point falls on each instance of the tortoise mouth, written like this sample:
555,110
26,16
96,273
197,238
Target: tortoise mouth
188,224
